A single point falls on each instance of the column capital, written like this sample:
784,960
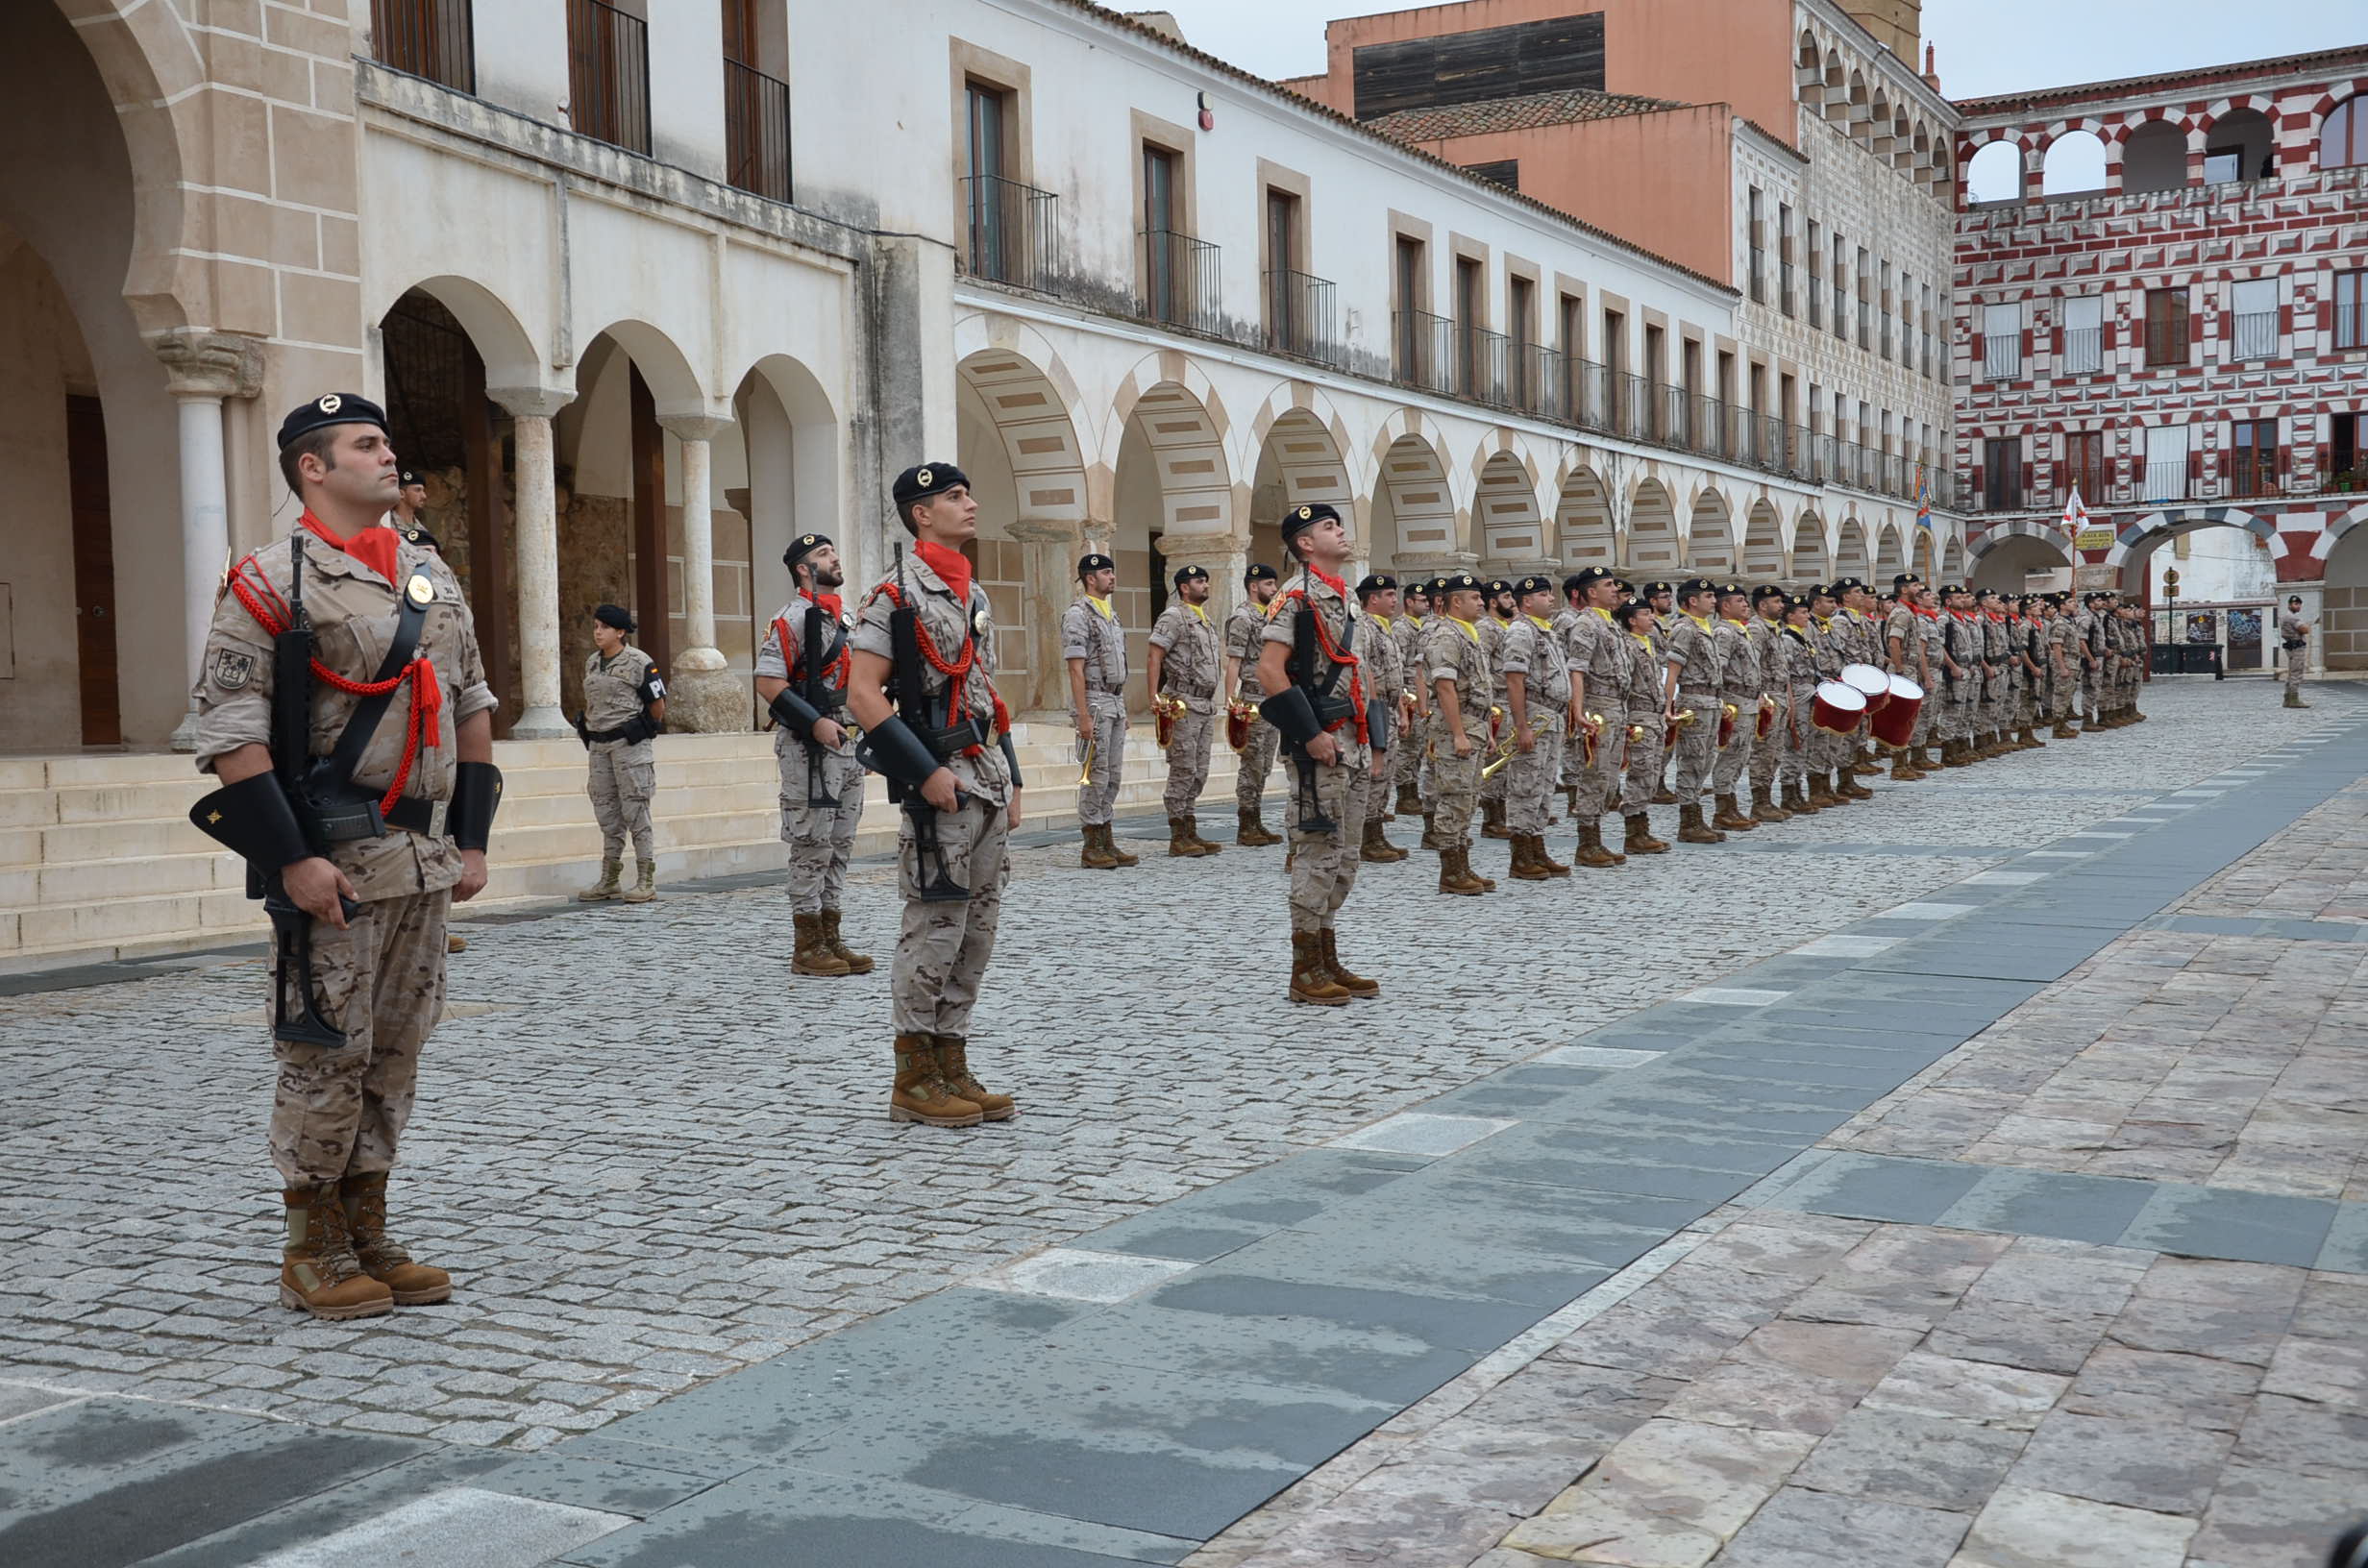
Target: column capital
1181,548
1044,531
697,425
530,402
198,364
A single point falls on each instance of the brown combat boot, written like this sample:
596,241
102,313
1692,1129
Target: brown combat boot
1798,801
1251,833
1090,853
1904,769
605,889
1347,979
1664,797
1852,788
1692,829
363,1198
318,1270
1463,862
1409,801
1492,819
922,1094
1430,833
453,942
1763,806
1527,857
857,963
1729,819
1310,981
1819,797
1592,852
1180,839
952,1054
1538,853
1110,848
1377,847
1451,879
1192,828
645,884
813,954
1640,840
2064,731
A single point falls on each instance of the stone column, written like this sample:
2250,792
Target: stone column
203,369
702,695
1225,556
537,544
1052,547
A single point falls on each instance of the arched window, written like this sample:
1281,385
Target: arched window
2343,139
2154,157
1995,174
2074,164
2239,146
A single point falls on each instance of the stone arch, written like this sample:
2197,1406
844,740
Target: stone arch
1994,171
1953,561
1710,536
1809,71
1920,152
2045,530
1859,113
1174,435
1507,526
1584,534
2141,534
1168,401
1021,391
511,358
2154,156
2003,556
1763,544
2241,125
1850,552
2073,164
1891,555
1018,434
1413,506
1295,458
662,363
1653,548
2340,139
1811,561
1837,88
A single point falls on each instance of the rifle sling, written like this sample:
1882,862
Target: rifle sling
410,619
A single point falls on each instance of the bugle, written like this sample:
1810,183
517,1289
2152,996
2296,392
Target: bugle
1166,709
1085,761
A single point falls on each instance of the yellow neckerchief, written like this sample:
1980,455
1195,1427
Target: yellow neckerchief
1413,621
1700,621
1539,622
1742,622
1377,616
1195,609
1825,623
1472,628
1101,607
1597,610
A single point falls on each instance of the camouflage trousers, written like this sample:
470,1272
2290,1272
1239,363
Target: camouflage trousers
1796,738
1642,775
380,980
1188,761
1598,786
1414,765
1530,776
1698,745
1323,865
1735,757
1457,781
1768,750
942,946
1100,796
624,776
2295,661
1257,765
819,837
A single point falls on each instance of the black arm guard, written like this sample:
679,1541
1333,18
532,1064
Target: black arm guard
891,749
1292,715
477,795
254,818
795,714
1011,757
1380,722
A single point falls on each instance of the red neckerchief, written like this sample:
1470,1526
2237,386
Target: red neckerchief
950,565
373,547
1335,652
1995,616
837,672
1918,609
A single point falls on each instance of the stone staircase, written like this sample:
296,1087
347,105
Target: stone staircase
98,860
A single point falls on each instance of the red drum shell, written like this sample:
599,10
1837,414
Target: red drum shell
1896,721
1838,708
1873,683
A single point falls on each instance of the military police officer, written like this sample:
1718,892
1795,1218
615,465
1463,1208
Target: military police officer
624,708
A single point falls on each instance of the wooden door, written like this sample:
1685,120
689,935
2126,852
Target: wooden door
95,571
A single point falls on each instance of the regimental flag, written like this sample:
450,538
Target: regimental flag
1923,497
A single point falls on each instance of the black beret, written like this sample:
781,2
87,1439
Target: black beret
800,548
1259,573
1820,590
1586,576
926,480
410,477
1095,562
331,408
1695,585
1950,590
1307,517
1419,585
1439,585
1186,574
1534,583
1766,592
1498,585
1652,588
1457,582
614,615
417,533
1732,590
1376,582
1986,592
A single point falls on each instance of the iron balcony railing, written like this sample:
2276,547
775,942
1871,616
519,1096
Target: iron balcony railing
609,74
2255,334
2252,471
1422,351
756,130
2002,356
1301,317
1180,283
1011,232
2083,352
433,38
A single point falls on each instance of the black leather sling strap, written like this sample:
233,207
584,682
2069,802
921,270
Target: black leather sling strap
345,813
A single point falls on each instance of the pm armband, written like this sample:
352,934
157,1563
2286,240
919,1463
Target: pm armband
255,820
1292,714
477,795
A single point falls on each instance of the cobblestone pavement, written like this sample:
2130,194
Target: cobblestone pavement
652,1157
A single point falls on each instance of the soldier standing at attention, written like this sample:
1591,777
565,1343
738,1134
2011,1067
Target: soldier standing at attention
945,747
1426,766
1767,625
1647,719
1095,644
1457,664
1691,681
1596,649
1537,718
343,709
1183,670
1409,632
1492,628
624,708
1903,642
1320,703
1245,637
1960,659
2063,665
1385,671
1663,597
801,679
1739,688
2294,642
1797,646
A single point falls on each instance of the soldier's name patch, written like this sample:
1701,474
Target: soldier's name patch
232,670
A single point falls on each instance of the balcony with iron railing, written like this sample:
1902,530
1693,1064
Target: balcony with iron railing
1301,318
2083,353
2254,335
1011,232
609,74
1179,284
756,130
1422,351
431,39
2163,481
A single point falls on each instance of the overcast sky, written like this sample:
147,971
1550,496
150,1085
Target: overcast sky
1986,46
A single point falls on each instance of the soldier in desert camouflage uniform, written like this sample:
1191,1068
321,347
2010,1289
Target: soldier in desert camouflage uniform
1536,679
1245,637
624,709
804,688
1385,672
1183,670
1457,665
1492,625
1592,647
1093,645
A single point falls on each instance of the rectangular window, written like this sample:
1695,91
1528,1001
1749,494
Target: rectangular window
1570,338
2253,468
2343,444
1520,333
2083,335
991,209
2084,465
1816,273
2002,474
2352,306
2002,342
1930,367
1884,300
1842,289
433,38
1784,259
2254,333
609,74
1412,335
1291,296
1759,252
1866,300
1470,322
2166,464
2166,327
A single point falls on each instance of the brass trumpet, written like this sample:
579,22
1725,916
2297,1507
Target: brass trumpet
1589,735
1502,754
1085,763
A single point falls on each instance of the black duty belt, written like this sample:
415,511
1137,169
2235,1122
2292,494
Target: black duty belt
348,818
600,735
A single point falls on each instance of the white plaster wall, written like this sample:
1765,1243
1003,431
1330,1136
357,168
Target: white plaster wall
686,84
520,59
